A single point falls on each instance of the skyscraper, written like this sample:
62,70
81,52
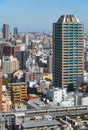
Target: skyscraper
6,31
16,31
22,57
68,50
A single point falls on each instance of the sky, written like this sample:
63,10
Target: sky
38,15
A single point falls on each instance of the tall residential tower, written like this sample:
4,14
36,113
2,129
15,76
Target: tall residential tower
68,50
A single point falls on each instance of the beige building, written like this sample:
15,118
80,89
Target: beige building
18,94
10,65
29,76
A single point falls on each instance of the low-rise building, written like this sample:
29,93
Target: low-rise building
18,94
56,94
35,104
40,125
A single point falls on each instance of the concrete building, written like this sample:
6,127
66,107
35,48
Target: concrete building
86,60
2,123
49,63
68,50
6,32
15,49
85,100
26,39
15,63
81,79
74,99
84,87
56,94
6,101
18,94
10,65
9,50
35,104
22,57
29,76
67,103
86,55
1,35
0,93
7,67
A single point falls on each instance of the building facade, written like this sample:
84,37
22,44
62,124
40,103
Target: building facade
22,57
6,31
0,93
49,64
29,76
26,39
9,50
10,65
68,50
18,94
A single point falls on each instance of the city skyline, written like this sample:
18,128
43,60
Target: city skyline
37,15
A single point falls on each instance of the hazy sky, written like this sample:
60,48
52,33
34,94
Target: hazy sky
37,15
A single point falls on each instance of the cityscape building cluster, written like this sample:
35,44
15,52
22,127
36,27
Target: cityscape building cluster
41,70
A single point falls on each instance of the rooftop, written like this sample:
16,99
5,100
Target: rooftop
19,83
68,19
31,124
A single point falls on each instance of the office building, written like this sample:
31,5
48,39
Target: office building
6,32
22,57
15,31
68,51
